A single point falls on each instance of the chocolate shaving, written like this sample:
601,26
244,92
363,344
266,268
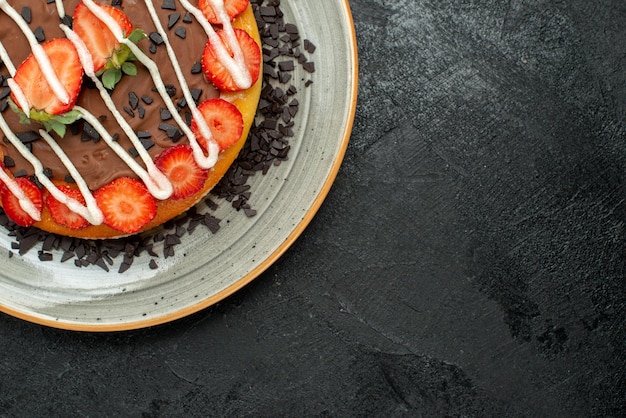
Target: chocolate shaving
27,14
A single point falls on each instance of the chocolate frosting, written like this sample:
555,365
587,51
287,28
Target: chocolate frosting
97,163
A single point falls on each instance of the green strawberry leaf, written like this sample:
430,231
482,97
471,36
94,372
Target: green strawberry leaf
111,77
51,123
129,68
137,35
55,126
68,118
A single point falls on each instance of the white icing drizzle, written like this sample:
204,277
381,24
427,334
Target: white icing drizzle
212,146
235,65
6,59
91,212
60,8
20,97
22,101
38,52
158,184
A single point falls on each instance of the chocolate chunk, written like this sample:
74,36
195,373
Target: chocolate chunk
196,93
133,100
89,132
286,66
170,89
156,38
172,19
181,32
67,20
27,14
146,99
39,34
309,46
173,132
187,18
168,5
165,114
309,67
147,143
44,256
28,136
196,68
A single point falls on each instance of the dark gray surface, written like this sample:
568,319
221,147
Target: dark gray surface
469,260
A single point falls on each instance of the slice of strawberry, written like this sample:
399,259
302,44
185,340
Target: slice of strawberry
62,214
179,166
98,38
233,8
219,75
224,121
11,204
126,204
29,76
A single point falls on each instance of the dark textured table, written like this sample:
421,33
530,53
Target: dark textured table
469,260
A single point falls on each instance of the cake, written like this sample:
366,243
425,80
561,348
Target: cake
135,109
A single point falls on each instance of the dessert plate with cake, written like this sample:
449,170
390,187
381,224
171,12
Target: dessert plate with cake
188,142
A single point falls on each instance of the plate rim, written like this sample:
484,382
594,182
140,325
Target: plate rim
262,266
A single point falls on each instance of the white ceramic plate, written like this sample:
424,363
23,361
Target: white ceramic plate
208,268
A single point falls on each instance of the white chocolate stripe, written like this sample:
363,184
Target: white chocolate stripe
6,59
85,58
38,52
20,97
236,66
213,147
60,8
91,212
22,101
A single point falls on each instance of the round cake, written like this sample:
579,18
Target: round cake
119,116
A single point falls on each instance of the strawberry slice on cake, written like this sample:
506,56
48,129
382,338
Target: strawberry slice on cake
11,204
217,73
110,58
45,106
233,9
224,121
127,204
180,167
